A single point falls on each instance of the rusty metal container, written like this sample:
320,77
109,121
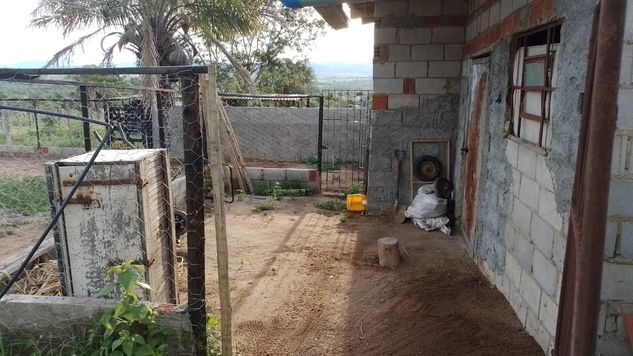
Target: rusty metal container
121,212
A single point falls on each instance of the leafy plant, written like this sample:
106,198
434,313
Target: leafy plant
355,188
277,193
213,336
331,205
130,329
326,166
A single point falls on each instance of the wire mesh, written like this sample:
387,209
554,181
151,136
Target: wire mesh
97,170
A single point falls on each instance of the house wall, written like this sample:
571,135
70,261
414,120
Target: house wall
617,281
525,191
417,67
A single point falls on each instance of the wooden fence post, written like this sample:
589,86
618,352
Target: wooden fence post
212,125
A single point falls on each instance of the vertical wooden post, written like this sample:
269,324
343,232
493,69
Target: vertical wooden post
6,127
83,96
194,165
37,126
212,125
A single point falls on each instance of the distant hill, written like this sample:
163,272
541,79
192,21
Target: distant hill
342,69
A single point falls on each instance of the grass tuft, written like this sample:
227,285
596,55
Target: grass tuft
331,205
26,196
259,208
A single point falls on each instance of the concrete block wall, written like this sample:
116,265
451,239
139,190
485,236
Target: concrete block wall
521,247
535,234
418,50
417,67
617,276
283,134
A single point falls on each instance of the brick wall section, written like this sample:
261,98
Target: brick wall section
617,283
495,19
418,50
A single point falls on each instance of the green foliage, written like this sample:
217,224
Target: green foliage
214,347
286,77
331,205
130,329
355,188
26,196
286,188
327,166
264,54
259,208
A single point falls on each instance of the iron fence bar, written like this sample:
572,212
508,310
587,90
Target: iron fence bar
37,126
320,141
66,200
83,95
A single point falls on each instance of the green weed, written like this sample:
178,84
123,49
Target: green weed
259,208
331,205
26,196
355,188
327,166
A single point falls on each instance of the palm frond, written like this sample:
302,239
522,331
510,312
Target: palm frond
68,51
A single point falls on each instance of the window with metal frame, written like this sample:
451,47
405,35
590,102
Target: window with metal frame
533,82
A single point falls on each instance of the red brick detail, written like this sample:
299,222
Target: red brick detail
408,86
380,102
313,175
540,12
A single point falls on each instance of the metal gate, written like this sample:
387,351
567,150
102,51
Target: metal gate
345,140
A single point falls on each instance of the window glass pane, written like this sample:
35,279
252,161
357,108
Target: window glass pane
534,74
532,103
530,131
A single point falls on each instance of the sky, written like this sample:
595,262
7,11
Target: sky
22,44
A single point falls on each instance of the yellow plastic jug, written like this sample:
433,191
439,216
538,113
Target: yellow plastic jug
357,203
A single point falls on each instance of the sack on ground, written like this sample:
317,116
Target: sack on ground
426,204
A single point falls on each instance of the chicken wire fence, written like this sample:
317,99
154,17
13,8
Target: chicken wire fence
88,183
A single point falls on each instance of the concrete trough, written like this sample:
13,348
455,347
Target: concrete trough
54,320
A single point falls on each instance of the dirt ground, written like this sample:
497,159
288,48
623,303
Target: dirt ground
18,232
305,283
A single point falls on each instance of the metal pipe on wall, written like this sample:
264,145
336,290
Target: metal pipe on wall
580,298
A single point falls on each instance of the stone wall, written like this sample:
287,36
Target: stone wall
617,280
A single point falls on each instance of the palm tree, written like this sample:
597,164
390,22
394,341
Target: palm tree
158,32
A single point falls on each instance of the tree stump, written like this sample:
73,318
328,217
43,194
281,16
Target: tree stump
388,252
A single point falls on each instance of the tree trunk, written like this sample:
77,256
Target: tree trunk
388,252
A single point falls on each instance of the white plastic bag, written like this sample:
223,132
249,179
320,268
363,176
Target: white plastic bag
426,204
431,224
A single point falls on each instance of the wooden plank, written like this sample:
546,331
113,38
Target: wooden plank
241,166
212,126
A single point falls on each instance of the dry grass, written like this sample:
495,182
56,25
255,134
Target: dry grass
42,279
